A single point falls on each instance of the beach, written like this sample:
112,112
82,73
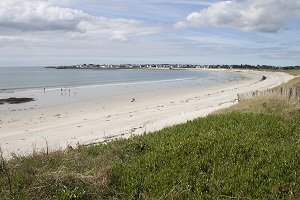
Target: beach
100,119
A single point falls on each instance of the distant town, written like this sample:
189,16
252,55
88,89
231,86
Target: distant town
169,66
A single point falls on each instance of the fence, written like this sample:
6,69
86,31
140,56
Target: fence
288,93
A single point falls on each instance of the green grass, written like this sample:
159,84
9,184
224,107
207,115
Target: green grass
217,156
238,155
250,151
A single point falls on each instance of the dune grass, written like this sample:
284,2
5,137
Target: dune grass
293,83
295,72
250,151
272,104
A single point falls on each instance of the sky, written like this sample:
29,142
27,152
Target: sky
67,32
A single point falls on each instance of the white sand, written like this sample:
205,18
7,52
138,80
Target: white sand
91,121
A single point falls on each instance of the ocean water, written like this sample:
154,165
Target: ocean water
28,78
69,86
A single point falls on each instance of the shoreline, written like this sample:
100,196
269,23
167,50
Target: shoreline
5,92
90,86
99,120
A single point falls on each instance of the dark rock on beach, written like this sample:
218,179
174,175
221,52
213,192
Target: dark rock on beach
14,100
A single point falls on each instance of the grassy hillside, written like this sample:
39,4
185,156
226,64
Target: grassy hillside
296,81
251,151
293,83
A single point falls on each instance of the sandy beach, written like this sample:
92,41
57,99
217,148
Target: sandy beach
102,119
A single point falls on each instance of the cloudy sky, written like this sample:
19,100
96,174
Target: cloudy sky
58,32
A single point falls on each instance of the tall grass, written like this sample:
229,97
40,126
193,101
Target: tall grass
294,82
272,104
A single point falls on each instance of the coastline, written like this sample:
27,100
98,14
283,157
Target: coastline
99,120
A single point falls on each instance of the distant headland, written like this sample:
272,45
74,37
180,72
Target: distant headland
170,66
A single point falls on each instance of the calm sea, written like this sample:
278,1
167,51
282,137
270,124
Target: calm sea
29,78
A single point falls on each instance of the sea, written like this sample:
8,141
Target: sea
14,79
50,87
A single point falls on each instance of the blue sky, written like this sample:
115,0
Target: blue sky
52,32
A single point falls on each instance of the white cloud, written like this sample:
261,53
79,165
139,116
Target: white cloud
38,16
19,16
118,38
248,15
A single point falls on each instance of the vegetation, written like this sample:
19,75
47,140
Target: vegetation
273,104
294,83
174,66
250,151
295,72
